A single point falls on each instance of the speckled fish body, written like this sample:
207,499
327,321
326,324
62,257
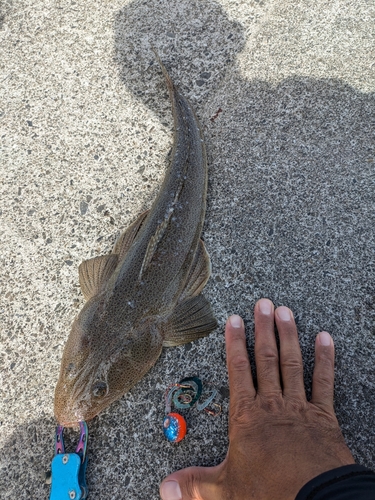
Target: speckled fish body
146,293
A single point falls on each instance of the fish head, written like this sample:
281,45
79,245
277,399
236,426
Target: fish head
99,367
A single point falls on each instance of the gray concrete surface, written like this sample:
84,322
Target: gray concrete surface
85,130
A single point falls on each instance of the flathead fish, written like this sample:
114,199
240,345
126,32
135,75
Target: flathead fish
146,293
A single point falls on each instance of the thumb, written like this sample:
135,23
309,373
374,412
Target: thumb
193,483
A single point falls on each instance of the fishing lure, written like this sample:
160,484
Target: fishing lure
183,395
69,469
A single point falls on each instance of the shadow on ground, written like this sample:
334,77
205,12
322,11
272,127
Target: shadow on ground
290,216
291,182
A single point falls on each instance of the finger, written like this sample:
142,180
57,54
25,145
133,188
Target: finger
241,385
193,483
290,354
323,377
266,355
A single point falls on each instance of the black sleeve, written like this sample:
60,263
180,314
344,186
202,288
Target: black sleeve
351,482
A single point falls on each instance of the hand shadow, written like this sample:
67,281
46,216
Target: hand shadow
174,28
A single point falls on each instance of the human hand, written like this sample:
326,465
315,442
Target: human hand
278,441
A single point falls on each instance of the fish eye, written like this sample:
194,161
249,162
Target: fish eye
99,389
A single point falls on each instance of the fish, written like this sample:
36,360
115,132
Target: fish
145,294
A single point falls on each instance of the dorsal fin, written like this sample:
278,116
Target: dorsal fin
125,240
199,273
94,272
152,245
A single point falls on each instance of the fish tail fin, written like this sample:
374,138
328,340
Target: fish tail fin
191,319
168,79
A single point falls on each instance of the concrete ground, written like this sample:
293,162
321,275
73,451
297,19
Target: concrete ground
85,131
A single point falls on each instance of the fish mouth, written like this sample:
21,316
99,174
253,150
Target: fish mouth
70,417
70,424
72,421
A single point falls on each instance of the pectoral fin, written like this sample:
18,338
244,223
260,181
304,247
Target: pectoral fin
94,272
190,320
199,273
126,239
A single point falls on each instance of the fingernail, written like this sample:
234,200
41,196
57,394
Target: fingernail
283,313
170,490
324,338
236,321
265,307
